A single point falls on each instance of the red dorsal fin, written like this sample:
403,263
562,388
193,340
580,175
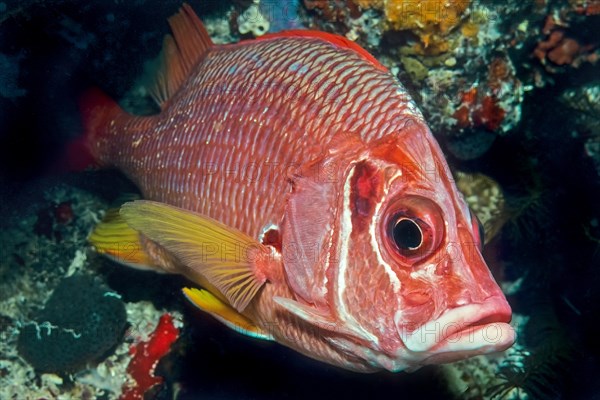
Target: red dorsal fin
180,53
336,40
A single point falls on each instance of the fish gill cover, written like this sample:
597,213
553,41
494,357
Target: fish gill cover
509,89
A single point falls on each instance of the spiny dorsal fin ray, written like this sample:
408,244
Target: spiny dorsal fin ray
180,53
230,260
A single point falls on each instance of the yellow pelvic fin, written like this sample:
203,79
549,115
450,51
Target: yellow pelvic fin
205,301
230,260
114,238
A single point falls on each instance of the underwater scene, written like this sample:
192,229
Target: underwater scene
261,199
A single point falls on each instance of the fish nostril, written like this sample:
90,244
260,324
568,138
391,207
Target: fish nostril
417,297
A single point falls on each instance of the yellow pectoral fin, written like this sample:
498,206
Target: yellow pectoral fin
116,239
231,261
205,301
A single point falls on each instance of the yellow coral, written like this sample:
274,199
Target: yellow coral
432,45
484,196
469,30
427,15
415,69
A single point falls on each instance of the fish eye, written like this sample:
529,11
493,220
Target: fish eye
412,229
407,234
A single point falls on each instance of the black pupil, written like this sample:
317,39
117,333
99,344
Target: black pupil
407,234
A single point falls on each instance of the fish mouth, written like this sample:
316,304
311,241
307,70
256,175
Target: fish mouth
463,331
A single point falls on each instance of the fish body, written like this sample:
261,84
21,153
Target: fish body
295,181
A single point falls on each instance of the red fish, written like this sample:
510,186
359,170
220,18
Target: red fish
297,186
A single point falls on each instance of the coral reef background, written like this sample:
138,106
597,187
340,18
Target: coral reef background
510,89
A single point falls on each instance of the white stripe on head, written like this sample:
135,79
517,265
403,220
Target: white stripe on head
344,240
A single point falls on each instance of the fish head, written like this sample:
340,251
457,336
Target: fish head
387,256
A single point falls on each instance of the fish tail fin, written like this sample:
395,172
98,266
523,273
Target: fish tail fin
97,111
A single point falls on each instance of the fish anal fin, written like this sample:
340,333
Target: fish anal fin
232,262
207,302
181,52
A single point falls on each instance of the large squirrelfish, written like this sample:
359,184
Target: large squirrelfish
293,181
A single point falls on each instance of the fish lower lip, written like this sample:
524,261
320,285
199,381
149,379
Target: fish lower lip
470,327
472,341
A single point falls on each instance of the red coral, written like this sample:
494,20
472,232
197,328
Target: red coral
551,42
565,52
479,111
589,7
146,357
469,97
560,49
490,114
499,72
334,10
51,217
463,116
63,212
549,25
